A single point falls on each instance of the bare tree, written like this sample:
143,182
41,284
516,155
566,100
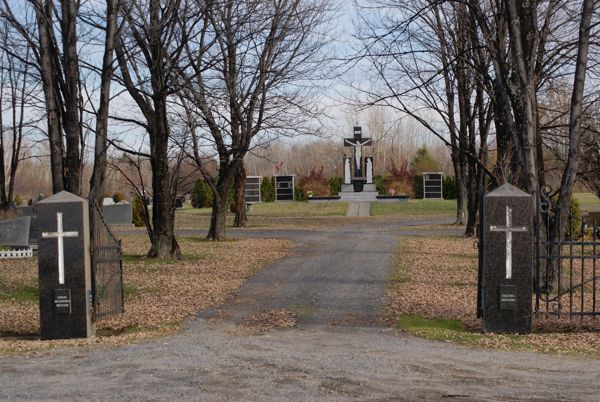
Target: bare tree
544,42
428,63
148,53
16,94
53,41
96,192
246,82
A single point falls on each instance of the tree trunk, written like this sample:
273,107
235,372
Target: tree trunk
461,197
570,171
96,193
241,218
219,213
503,168
71,98
47,54
4,204
164,244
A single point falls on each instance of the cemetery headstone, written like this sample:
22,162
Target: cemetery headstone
507,261
15,232
284,188
433,185
118,214
252,190
29,210
64,267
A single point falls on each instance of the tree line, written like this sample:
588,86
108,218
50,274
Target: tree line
509,86
186,82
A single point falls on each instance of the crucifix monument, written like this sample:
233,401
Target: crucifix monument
357,175
507,261
65,279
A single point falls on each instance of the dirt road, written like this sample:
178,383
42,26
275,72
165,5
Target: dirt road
334,279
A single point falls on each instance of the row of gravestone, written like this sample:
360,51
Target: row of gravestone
22,231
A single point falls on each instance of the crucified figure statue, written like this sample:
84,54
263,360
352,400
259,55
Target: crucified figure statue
357,143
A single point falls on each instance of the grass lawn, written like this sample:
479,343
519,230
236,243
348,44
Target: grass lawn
414,208
298,209
195,211
434,295
159,294
588,201
284,209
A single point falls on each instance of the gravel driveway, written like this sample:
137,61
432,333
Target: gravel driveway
334,279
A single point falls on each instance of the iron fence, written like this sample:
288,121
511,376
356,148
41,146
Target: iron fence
107,269
567,264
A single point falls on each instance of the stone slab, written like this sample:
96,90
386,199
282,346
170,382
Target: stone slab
508,261
361,196
118,214
54,322
15,232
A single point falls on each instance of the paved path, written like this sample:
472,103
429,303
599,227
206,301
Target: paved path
338,352
358,209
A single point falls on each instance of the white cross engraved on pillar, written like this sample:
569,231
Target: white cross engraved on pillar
508,229
59,234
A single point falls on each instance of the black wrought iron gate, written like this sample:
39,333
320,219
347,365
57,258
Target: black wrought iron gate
567,267
107,269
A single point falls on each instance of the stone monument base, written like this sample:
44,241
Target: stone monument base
368,194
349,188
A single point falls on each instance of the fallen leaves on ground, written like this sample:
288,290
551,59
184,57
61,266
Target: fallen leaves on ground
441,284
268,320
159,294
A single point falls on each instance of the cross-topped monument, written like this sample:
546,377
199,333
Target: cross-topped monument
358,142
64,266
507,260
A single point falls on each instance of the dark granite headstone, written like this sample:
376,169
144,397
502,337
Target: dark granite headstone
508,261
15,232
65,292
118,214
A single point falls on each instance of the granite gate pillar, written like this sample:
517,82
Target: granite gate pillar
64,266
508,261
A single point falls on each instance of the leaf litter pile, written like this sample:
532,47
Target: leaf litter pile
159,295
440,287
268,320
